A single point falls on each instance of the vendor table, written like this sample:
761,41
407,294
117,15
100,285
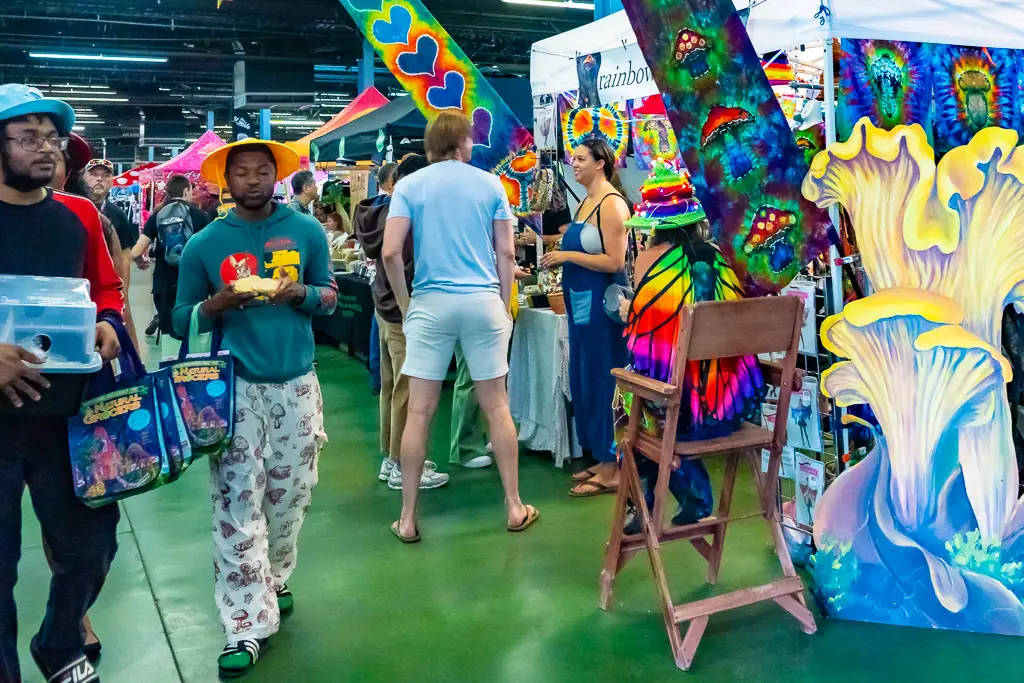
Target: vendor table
351,321
538,383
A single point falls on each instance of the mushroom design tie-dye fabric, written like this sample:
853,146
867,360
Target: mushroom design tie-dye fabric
975,88
888,81
439,77
734,138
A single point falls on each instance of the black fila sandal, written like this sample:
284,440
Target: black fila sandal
80,670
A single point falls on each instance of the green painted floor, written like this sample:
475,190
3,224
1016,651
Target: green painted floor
472,602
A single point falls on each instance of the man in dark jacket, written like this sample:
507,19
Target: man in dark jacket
370,217
49,234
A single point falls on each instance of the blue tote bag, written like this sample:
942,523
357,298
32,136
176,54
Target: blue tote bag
203,385
118,441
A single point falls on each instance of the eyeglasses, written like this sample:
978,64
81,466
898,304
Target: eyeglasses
32,143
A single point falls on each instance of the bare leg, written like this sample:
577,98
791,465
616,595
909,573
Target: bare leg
493,398
424,396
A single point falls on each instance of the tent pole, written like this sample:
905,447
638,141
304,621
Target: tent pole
836,271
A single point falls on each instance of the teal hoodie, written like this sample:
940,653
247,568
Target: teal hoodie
269,343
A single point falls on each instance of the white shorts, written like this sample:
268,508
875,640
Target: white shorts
478,322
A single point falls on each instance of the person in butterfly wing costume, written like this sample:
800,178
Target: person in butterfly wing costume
680,267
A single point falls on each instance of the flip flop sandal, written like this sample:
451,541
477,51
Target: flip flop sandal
238,659
405,539
285,600
596,488
81,670
532,515
584,475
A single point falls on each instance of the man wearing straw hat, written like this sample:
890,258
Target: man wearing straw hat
259,275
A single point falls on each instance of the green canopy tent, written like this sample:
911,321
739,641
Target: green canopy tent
367,137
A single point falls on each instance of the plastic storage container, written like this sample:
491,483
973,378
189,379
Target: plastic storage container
55,319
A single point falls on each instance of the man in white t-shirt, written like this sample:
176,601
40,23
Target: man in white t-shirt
465,263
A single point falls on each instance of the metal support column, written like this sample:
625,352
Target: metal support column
602,8
209,119
364,77
264,124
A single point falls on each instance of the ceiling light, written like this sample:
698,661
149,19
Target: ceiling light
96,58
554,4
62,93
94,99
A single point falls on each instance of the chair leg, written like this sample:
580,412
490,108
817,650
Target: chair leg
613,560
795,604
687,649
682,649
724,508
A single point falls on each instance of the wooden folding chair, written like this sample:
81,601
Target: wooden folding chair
708,331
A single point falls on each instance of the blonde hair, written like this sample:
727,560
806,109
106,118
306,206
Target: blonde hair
445,135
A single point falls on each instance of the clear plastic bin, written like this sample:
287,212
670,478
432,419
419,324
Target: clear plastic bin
52,317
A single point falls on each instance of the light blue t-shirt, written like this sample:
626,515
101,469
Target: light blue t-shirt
452,207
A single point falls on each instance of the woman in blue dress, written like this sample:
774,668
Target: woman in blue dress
593,256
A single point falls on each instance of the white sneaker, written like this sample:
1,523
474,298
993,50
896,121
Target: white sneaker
479,462
385,469
431,479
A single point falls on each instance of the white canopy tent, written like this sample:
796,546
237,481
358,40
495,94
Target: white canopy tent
781,24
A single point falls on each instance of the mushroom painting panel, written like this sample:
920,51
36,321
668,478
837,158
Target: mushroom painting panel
888,81
928,529
974,88
733,137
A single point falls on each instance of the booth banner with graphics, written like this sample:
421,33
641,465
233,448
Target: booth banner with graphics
614,76
440,77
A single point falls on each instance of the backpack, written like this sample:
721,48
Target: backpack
174,229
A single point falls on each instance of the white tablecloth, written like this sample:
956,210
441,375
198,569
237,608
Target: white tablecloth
538,383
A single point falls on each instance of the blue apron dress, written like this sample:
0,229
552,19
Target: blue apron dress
596,343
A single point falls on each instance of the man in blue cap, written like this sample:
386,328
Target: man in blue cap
47,233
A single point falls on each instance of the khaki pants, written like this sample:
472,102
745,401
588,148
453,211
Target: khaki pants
394,389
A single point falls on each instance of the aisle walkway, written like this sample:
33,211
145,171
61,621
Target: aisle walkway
471,603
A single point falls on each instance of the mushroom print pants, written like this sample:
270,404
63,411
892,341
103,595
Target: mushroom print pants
261,488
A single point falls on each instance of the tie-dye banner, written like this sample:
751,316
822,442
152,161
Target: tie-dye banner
888,81
439,77
747,168
653,137
975,88
604,122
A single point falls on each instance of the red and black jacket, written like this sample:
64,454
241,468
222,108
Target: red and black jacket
61,236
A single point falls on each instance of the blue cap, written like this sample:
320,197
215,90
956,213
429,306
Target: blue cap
21,100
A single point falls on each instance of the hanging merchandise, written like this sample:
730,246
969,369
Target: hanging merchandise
975,88
811,141
778,70
653,137
732,135
605,122
440,77
888,81
545,123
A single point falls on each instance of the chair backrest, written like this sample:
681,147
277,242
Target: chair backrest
722,329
